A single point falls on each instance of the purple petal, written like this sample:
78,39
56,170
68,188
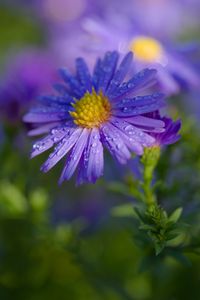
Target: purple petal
107,70
120,73
146,122
83,74
91,167
170,135
61,89
33,117
138,105
134,134
47,142
111,138
96,73
75,156
73,83
62,148
55,100
141,80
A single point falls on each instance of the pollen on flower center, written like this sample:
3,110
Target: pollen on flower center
146,49
91,110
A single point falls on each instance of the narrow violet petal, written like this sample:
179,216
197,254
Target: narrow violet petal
144,79
61,89
171,140
138,105
145,121
138,101
114,143
75,156
47,142
131,143
120,74
96,73
152,130
73,83
32,117
134,134
177,125
52,106
107,70
62,148
50,100
81,177
170,135
83,74
92,165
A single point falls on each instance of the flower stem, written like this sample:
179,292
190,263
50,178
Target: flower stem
149,160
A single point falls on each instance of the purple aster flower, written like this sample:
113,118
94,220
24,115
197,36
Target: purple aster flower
175,68
170,135
93,112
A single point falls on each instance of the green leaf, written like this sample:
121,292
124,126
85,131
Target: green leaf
146,227
140,214
159,247
38,200
124,210
12,200
175,216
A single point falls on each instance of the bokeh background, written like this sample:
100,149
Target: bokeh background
63,242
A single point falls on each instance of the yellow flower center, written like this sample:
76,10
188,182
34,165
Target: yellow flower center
91,110
146,49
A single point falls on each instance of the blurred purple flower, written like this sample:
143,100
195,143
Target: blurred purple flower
28,74
175,69
96,111
150,15
165,18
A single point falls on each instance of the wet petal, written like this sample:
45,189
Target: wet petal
62,148
134,134
138,105
83,74
146,122
120,74
76,89
47,142
138,82
107,70
114,143
91,167
75,156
